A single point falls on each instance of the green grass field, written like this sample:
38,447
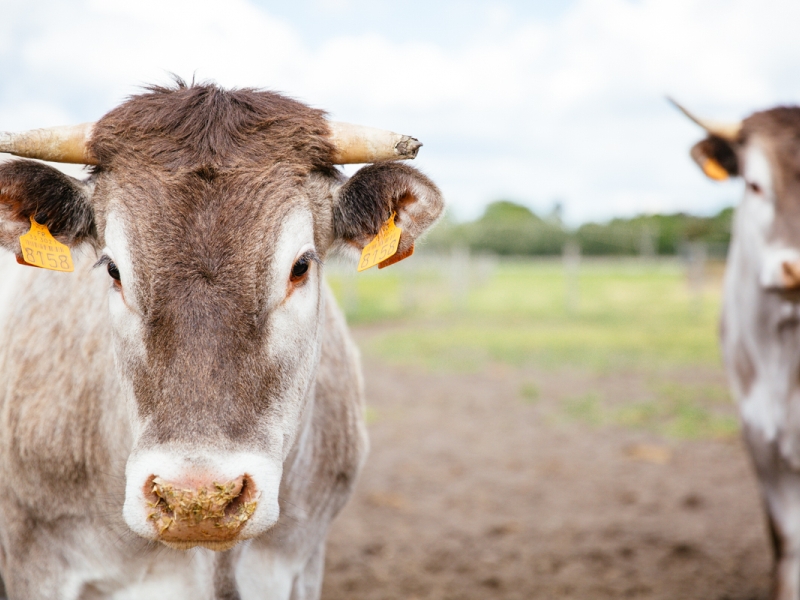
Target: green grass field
625,314
623,317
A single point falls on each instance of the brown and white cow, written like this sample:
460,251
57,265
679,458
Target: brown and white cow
760,331
181,417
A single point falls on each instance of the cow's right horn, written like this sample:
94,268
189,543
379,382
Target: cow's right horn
359,144
57,144
726,130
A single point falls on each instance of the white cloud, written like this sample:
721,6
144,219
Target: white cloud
570,107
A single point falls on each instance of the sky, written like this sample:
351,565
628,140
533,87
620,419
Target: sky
533,101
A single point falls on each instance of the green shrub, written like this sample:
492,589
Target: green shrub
507,228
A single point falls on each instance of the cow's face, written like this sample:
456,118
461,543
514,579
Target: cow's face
215,307
215,304
766,154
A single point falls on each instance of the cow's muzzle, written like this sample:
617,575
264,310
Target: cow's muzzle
189,497
790,272
200,511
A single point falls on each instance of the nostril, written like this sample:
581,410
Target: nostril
242,506
238,499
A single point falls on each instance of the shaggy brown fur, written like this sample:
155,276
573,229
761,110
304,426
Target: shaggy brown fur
29,188
371,196
204,128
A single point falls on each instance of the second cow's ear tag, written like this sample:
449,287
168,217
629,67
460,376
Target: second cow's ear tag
382,247
41,249
714,170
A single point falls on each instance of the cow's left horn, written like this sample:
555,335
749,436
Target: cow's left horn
359,144
57,144
722,129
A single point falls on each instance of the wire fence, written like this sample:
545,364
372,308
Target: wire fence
442,282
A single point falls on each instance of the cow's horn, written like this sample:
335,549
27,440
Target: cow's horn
57,144
723,129
353,143
359,144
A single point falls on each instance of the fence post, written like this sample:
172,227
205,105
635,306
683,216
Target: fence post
647,242
571,259
485,266
697,256
407,272
459,276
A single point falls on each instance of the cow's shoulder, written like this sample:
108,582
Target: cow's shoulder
58,391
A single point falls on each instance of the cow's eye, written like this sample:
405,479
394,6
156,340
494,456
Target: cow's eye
300,268
113,271
754,187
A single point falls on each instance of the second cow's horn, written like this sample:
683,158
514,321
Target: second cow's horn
722,129
57,144
354,144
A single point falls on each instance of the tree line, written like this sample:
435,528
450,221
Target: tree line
508,228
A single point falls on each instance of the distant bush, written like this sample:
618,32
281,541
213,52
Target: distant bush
660,234
507,228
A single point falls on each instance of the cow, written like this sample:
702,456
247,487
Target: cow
760,323
182,415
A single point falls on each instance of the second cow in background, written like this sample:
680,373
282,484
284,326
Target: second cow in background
760,332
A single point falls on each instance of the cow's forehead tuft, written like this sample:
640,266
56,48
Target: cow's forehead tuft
204,128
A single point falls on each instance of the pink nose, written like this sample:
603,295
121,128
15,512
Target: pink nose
198,510
791,275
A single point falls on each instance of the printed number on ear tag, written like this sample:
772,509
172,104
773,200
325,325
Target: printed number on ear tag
383,246
41,249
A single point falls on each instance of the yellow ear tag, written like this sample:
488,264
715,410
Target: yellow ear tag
714,170
382,246
41,249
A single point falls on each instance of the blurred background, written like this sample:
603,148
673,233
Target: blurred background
548,411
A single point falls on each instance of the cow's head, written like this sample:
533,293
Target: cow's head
764,150
212,211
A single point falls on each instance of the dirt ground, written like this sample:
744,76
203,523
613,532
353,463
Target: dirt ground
472,492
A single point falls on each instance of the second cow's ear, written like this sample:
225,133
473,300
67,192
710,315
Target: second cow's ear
370,196
32,189
716,157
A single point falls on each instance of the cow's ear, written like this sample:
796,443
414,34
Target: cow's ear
716,157
29,188
376,191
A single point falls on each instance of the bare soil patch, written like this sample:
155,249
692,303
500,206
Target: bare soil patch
477,487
